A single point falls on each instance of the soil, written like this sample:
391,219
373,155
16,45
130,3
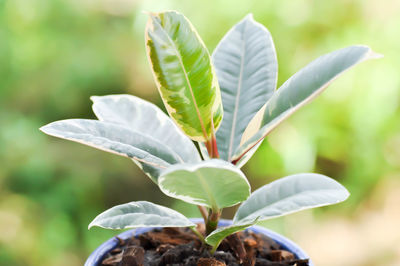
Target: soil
179,246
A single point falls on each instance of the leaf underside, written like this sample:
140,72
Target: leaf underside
152,154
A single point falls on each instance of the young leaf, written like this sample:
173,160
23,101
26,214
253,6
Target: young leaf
298,90
184,74
146,118
215,237
246,65
148,152
140,214
290,194
215,183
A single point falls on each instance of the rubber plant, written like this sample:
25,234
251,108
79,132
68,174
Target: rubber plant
241,76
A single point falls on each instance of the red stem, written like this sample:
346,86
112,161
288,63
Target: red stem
214,147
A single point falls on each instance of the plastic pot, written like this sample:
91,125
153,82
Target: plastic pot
96,257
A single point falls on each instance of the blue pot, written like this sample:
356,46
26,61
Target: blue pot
96,257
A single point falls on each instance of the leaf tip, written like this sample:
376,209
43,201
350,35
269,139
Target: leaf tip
374,55
249,16
346,194
93,98
150,13
370,54
152,20
44,128
91,225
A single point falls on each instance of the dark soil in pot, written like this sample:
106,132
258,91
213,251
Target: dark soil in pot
179,246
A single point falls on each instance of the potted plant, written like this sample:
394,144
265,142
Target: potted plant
226,104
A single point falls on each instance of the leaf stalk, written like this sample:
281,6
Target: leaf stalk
198,234
212,221
212,148
203,212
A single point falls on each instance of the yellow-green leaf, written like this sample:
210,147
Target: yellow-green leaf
184,74
213,183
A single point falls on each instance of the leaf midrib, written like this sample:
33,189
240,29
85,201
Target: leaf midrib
207,190
113,219
235,112
294,108
187,80
119,153
82,139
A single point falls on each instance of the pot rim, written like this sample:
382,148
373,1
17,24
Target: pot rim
97,255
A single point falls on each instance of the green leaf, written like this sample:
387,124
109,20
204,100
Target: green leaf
298,90
184,74
216,236
290,194
140,214
146,118
215,183
148,152
246,65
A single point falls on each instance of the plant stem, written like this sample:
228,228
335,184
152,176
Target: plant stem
214,248
203,212
198,234
214,147
211,143
212,222
209,148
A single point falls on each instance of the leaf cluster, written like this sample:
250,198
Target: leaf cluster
227,103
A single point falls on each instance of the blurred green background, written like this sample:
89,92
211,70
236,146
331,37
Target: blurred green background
54,54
